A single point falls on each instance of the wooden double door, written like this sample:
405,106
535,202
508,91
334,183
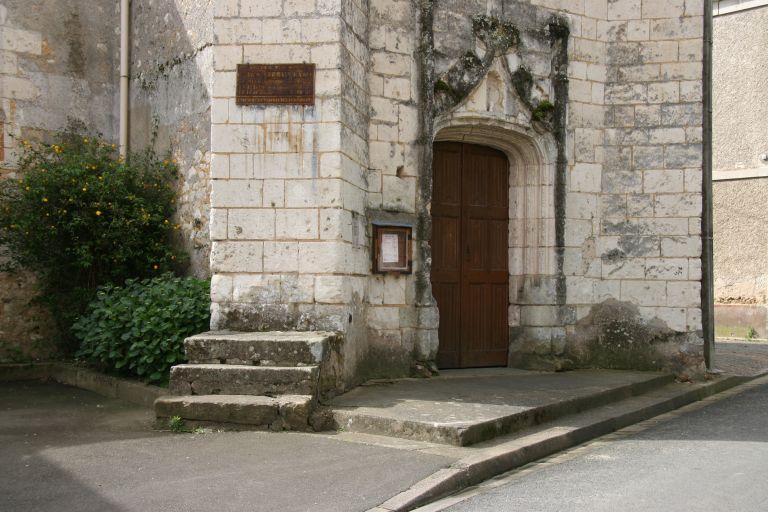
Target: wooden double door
470,272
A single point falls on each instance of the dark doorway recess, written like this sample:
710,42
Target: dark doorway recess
470,274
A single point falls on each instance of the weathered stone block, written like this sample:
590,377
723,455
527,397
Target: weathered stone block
282,31
281,257
224,379
237,256
261,288
296,224
685,294
251,224
333,289
643,293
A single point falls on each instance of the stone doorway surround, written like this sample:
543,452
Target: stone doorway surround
532,251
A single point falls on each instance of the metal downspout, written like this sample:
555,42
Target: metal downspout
125,24
707,278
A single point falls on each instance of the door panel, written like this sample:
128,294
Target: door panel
470,276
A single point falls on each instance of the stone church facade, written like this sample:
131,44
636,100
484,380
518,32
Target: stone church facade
547,157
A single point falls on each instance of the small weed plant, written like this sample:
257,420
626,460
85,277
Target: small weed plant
81,217
176,424
138,329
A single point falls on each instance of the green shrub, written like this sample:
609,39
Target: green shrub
80,217
138,329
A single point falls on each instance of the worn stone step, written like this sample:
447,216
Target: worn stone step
467,407
286,412
224,379
276,348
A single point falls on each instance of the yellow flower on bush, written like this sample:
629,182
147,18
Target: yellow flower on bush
98,213
45,199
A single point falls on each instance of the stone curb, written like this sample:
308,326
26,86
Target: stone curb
84,378
550,439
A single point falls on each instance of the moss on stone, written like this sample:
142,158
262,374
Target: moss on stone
441,86
522,80
494,32
543,110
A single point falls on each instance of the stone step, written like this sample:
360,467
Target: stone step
224,379
236,412
461,409
276,348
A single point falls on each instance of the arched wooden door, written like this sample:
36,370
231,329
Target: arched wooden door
470,273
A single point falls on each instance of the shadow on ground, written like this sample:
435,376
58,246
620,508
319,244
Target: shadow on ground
66,449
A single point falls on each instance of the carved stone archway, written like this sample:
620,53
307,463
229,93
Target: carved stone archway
533,255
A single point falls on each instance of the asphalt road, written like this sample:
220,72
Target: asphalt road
64,449
738,357
711,459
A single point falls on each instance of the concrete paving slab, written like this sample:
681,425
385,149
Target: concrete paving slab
66,449
463,407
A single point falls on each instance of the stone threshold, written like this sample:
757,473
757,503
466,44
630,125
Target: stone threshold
84,378
466,407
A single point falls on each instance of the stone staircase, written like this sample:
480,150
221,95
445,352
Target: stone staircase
252,380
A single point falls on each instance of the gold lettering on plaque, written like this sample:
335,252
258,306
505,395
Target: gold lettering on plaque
275,84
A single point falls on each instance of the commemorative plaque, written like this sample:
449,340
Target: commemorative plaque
275,84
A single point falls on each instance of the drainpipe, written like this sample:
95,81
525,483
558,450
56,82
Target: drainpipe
707,278
125,24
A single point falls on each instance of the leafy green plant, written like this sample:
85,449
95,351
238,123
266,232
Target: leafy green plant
80,217
751,333
138,329
176,424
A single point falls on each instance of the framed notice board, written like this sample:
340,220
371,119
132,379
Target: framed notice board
392,248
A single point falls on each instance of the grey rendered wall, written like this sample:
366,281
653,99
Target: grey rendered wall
740,136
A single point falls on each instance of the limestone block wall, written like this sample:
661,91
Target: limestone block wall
53,67
171,81
648,216
402,319
605,233
289,237
605,195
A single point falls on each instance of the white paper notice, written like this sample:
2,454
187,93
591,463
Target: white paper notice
389,249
